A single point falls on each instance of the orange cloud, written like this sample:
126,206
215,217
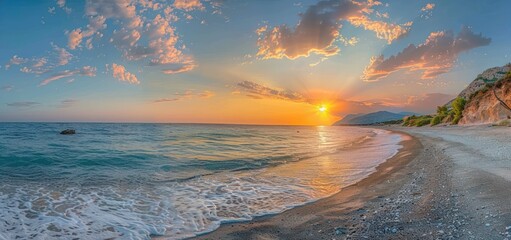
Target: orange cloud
258,91
188,5
180,68
119,72
84,71
428,7
433,57
138,38
383,30
186,95
319,28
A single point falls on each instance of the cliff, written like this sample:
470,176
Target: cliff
488,77
483,107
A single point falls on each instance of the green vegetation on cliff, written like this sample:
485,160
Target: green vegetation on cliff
457,107
443,115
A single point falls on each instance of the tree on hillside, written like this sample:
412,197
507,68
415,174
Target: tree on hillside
458,105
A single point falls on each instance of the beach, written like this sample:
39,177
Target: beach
445,183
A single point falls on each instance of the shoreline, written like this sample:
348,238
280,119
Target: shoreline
295,216
445,183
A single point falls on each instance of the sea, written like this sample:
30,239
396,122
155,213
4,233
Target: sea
171,181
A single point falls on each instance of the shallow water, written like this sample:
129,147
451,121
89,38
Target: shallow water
135,181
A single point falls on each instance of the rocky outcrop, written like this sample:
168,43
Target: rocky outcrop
490,76
68,132
484,107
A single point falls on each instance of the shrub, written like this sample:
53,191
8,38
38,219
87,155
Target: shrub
436,120
442,110
423,122
457,107
503,123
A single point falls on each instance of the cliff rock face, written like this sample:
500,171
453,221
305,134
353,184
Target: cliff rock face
484,107
491,75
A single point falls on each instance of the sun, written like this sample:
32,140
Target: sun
322,108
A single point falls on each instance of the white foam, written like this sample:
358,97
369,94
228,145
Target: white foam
178,210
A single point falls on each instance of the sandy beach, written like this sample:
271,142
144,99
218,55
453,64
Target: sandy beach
446,183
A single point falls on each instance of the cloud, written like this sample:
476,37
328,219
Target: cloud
62,4
76,36
41,65
8,88
427,11
258,91
151,37
188,5
428,7
84,71
433,57
63,56
15,60
319,28
22,104
36,66
120,73
166,100
67,103
185,67
383,30
189,94
206,94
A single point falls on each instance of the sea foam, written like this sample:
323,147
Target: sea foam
131,206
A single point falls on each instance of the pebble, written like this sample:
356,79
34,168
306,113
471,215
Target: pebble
340,230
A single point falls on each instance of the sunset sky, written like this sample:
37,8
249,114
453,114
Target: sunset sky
241,61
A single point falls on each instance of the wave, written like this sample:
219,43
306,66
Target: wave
178,196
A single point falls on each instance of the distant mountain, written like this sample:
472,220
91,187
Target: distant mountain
371,118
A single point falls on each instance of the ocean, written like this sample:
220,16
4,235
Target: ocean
138,181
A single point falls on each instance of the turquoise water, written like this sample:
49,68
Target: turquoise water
137,181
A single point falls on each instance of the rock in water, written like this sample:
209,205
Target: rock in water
68,132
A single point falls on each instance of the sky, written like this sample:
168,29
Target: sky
298,62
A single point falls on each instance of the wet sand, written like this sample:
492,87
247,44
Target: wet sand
445,183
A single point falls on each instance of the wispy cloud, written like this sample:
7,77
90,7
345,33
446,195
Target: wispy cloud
8,88
84,71
189,94
320,26
433,57
41,65
187,66
15,60
258,91
67,103
22,104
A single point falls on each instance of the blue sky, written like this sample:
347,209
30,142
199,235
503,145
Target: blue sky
264,62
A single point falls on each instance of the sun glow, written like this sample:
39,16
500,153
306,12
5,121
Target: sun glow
322,108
